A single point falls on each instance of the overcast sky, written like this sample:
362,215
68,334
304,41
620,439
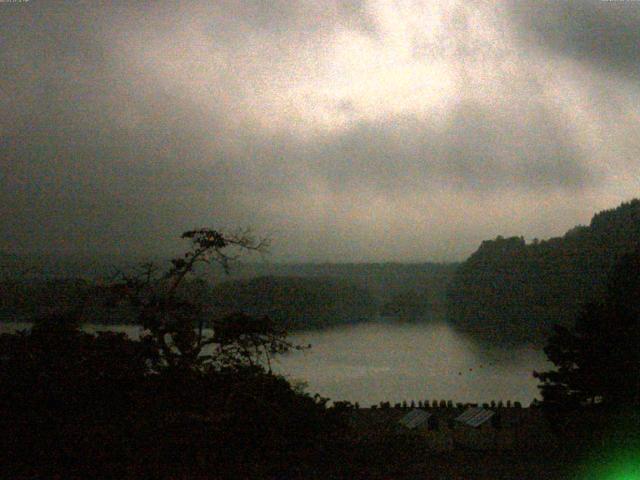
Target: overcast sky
345,130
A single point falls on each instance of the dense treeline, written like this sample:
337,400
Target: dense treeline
22,299
302,296
295,302
512,291
598,360
177,402
591,396
348,294
79,405
384,281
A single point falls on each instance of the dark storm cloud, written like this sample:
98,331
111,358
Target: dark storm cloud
74,177
123,124
605,33
476,150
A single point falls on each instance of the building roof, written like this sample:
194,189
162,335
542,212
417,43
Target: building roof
415,418
475,416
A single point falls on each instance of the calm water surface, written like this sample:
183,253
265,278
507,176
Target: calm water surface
384,360
377,361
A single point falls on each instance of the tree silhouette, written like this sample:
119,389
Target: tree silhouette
179,402
174,319
598,361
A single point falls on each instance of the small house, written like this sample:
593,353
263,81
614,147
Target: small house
476,429
427,425
417,419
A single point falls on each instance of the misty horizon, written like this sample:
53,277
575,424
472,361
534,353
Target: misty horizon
266,257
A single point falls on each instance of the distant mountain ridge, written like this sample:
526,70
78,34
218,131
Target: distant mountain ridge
320,295
298,295
512,291
385,281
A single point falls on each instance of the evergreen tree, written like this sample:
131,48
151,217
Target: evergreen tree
598,361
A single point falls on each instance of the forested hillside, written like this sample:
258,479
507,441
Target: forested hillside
387,282
300,295
295,302
512,291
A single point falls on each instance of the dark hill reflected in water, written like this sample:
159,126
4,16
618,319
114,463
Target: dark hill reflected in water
377,361
394,361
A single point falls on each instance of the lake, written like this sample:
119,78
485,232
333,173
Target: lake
394,361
